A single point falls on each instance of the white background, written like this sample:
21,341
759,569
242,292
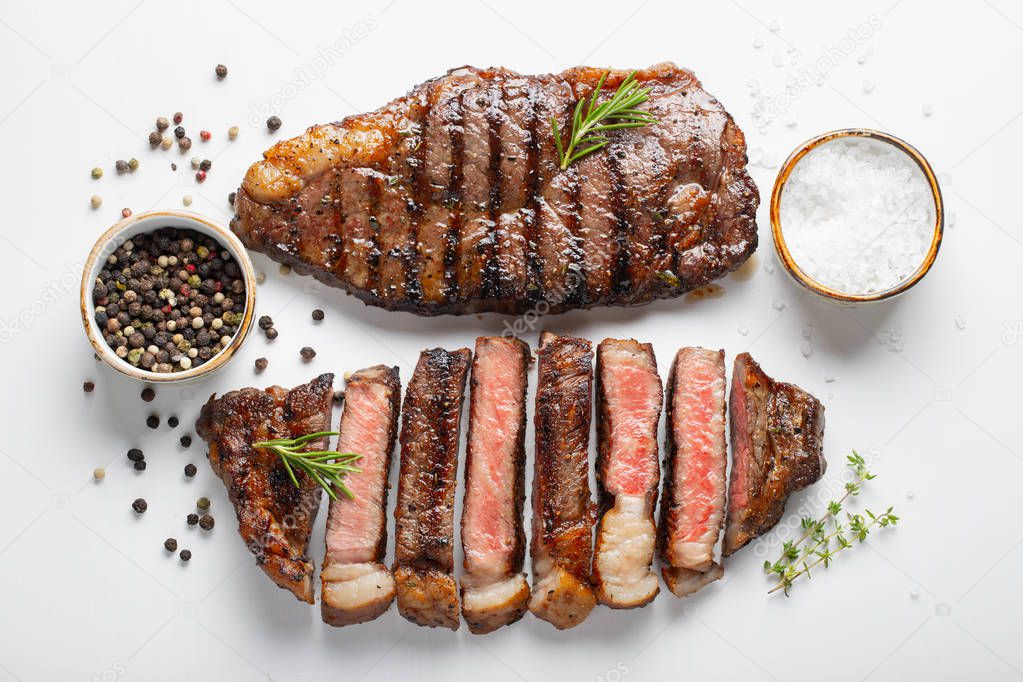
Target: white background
89,592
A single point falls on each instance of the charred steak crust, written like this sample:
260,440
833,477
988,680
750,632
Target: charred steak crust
777,434
629,401
563,512
357,587
424,514
493,503
450,199
275,518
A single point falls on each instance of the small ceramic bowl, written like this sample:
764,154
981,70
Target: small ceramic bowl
785,256
147,222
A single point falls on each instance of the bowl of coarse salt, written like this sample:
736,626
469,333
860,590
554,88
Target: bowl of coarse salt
857,216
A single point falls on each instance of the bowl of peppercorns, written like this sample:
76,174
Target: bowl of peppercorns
167,296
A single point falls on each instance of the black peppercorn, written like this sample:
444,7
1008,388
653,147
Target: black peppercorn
140,465
186,441
170,544
261,364
317,314
148,394
155,138
190,470
265,322
152,421
221,71
307,353
185,555
136,455
273,123
88,387
172,422
179,132
192,519
271,333
206,522
140,506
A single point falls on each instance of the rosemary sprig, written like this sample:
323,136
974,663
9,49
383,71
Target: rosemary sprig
591,120
326,467
826,537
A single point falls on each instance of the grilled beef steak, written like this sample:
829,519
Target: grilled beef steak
356,585
274,517
563,513
629,398
693,507
494,588
451,200
777,437
424,515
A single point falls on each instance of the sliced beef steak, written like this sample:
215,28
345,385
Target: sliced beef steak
494,588
693,507
356,585
451,199
777,441
424,515
629,399
563,513
274,517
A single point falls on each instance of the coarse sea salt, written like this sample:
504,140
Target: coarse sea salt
857,215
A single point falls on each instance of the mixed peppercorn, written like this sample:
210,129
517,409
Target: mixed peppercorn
169,300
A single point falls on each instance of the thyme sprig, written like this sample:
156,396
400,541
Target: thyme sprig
591,120
326,467
826,536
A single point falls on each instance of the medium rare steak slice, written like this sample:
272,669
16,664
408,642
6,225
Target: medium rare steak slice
356,585
494,588
777,440
693,508
424,514
274,517
451,199
629,398
563,513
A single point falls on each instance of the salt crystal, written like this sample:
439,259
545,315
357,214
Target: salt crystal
829,379
790,122
868,87
910,495
808,331
857,215
778,304
743,330
960,322
777,61
790,49
914,593
862,59
806,348
950,221
768,267
774,26
758,43
895,346
928,110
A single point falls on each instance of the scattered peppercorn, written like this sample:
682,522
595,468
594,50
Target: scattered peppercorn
148,394
192,519
200,176
261,364
99,473
205,135
166,144
96,201
155,139
178,117
318,315
184,144
125,212
190,470
232,132
140,506
174,166
140,465
271,333
273,123
205,165
265,322
307,353
187,200
230,199
186,440
88,387
221,71
170,544
260,276
135,455
206,522
172,422
133,165
162,124
185,555
284,270
152,421
203,503
121,166
339,396
97,173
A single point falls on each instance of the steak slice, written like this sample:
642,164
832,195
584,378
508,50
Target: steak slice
451,199
274,517
494,588
777,440
424,515
563,513
356,585
693,508
629,398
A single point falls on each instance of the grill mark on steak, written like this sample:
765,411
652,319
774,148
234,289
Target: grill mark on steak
777,434
275,518
424,514
682,199
357,587
494,588
692,509
629,398
563,513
